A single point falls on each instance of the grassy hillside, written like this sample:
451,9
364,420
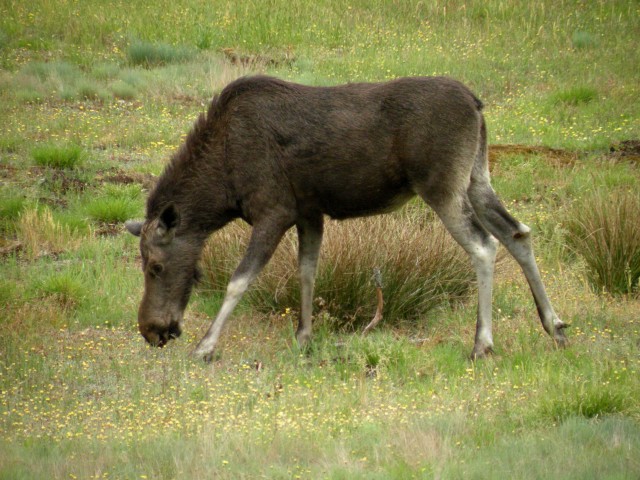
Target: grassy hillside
94,97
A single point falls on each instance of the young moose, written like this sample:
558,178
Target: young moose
278,154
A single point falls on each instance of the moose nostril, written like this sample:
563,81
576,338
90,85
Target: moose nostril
175,331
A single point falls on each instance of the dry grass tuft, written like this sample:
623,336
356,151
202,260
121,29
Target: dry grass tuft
603,228
421,267
40,234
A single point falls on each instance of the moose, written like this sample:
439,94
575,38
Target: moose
278,154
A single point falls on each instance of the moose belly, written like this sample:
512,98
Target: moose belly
358,200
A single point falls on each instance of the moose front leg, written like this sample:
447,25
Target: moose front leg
264,240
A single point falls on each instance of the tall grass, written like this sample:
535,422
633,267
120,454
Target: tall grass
603,228
42,234
421,267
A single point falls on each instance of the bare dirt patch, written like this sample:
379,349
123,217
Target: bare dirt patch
627,149
554,155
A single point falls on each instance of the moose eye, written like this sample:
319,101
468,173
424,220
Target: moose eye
155,269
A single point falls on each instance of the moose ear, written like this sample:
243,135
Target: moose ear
134,228
168,222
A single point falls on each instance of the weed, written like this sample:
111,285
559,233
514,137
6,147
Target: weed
4,39
58,156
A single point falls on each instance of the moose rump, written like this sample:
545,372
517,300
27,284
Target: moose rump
278,154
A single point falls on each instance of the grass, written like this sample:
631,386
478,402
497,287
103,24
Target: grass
421,269
112,209
576,96
603,230
82,396
149,54
56,156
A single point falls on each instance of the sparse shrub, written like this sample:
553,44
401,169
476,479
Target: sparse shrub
57,156
420,264
603,228
149,54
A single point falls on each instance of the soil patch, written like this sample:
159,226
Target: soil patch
627,150
554,155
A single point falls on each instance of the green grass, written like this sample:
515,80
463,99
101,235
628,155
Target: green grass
82,395
111,209
149,54
576,96
56,156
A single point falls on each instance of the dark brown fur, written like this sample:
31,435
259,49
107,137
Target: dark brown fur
278,154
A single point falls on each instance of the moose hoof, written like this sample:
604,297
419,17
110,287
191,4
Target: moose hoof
480,352
206,357
303,338
559,336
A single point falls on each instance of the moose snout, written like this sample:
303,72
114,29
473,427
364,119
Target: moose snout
160,336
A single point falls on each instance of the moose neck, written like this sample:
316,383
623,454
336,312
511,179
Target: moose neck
193,183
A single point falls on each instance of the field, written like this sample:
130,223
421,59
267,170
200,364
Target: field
94,98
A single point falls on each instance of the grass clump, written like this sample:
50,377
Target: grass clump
603,229
421,267
148,54
58,156
11,205
580,95
123,90
115,204
64,288
591,401
42,234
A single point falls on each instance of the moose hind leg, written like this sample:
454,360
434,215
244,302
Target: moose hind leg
309,241
516,237
461,221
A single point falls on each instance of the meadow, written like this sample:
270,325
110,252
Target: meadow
95,97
